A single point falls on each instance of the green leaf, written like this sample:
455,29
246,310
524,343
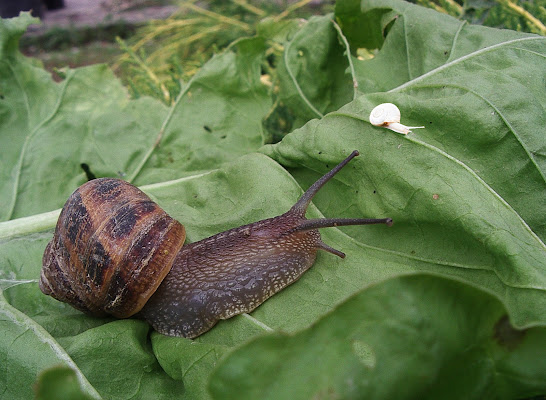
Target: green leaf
446,218
59,383
51,129
188,361
416,336
11,31
97,344
478,91
118,359
311,73
466,194
26,349
369,34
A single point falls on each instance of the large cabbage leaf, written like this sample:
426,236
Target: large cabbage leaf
464,265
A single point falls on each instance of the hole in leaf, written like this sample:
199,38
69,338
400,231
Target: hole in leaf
271,60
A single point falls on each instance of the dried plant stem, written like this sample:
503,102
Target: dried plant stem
218,17
185,41
171,24
291,8
525,14
137,60
249,7
454,7
433,5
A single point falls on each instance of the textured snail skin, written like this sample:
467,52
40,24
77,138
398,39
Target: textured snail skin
230,273
116,252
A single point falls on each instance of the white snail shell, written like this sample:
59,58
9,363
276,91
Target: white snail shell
388,115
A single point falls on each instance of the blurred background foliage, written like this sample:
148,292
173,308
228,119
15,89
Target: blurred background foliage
155,59
166,52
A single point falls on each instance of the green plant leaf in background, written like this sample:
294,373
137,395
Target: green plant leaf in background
51,129
312,79
466,194
457,83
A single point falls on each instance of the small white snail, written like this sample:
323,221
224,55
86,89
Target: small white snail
387,115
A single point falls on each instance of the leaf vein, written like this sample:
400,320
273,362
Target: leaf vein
19,319
349,58
456,38
162,130
408,57
194,362
463,59
28,138
464,166
295,81
8,283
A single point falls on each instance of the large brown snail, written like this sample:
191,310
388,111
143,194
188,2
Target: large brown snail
116,252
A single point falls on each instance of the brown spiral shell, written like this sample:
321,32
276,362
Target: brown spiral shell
111,249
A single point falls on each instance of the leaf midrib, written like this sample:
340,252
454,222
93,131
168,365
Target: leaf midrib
501,115
32,134
460,60
461,164
17,318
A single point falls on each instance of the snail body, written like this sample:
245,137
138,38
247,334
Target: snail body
116,252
